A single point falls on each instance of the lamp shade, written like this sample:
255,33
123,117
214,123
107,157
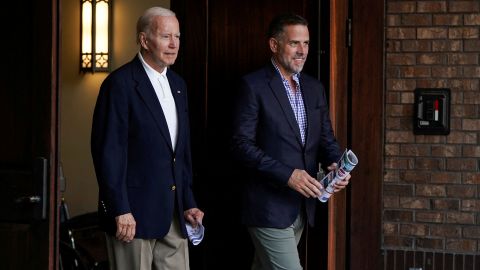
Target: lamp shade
95,35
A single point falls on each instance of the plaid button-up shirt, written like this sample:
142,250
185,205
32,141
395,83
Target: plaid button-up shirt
296,101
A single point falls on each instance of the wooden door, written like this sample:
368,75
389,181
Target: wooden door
221,41
28,137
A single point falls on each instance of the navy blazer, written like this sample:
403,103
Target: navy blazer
136,167
266,139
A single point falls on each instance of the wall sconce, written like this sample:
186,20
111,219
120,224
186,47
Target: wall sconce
96,35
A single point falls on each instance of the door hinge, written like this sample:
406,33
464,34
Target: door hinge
349,33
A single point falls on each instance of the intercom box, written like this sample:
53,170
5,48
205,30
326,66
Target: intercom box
432,111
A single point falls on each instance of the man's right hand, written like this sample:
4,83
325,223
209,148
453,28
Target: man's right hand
302,182
125,227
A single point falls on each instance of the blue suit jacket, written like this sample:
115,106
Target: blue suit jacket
267,140
136,168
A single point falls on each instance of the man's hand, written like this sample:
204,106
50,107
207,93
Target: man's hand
341,184
194,216
302,182
125,227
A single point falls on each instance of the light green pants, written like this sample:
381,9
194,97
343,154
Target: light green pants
276,249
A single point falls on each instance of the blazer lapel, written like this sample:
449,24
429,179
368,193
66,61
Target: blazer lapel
178,95
309,99
146,91
279,91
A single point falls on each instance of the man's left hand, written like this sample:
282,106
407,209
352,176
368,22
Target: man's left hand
194,216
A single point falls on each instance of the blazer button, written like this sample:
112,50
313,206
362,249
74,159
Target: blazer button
174,187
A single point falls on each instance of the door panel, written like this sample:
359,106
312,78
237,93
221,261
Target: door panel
28,113
222,40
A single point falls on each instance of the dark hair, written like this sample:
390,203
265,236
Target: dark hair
279,22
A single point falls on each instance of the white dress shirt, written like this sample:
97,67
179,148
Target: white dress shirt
165,97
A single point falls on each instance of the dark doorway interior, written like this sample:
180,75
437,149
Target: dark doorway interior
223,40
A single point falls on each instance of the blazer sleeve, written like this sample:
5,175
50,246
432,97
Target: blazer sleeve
244,145
188,198
109,144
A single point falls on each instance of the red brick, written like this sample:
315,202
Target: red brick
446,151
472,45
471,232
390,228
401,33
464,85
397,85
393,20
457,97
431,6
407,98
396,163
414,203
429,164
446,177
416,45
463,33
446,72
414,150
401,59
462,137
472,178
391,176
463,6
461,245
461,191
392,149
446,230
471,72
429,243
398,216
471,124
430,217
432,32
447,45
447,19
472,19
429,139
417,19
446,204
393,72
399,123
431,59
461,218
393,46
432,83
415,72
393,98
399,190
390,201
430,190
399,137
463,111
472,98
397,241
401,7
471,206
413,229
471,151
462,164
412,176
399,110
463,59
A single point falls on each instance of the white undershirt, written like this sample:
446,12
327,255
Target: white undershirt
165,97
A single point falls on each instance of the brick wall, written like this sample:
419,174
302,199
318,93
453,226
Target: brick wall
432,182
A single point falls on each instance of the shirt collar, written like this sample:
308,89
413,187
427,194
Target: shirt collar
150,71
295,76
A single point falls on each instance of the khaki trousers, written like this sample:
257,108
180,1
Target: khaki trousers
169,253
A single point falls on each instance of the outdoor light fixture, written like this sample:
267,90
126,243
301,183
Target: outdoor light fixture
95,35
